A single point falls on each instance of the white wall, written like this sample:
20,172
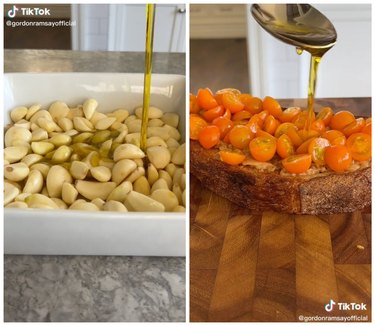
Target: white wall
345,71
121,27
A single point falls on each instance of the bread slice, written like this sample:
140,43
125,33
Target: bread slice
248,186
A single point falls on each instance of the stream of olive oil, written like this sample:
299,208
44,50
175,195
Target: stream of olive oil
150,15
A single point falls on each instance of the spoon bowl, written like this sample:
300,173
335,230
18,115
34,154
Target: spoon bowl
300,25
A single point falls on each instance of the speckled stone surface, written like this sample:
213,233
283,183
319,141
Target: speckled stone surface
92,288
75,288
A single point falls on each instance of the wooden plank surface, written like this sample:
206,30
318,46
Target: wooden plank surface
257,267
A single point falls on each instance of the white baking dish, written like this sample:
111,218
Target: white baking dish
64,232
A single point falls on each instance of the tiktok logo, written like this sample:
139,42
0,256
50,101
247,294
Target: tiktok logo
12,12
329,306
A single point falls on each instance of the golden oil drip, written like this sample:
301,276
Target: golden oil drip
150,15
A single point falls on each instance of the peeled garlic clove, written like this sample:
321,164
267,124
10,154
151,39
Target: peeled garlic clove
31,159
15,153
82,124
184,197
58,110
127,151
122,169
60,203
40,201
152,174
105,123
101,173
159,184
179,209
79,170
42,147
100,137
134,125
34,182
60,140
159,156
47,124
39,134
92,190
89,107
84,206
179,155
42,168
142,186
56,177
17,204
155,123
32,110
65,124
68,193
23,124
121,191
62,154
10,192
16,171
141,203
96,117
120,114
98,203
155,141
16,135
165,175
153,112
138,172
171,119
115,206
166,197
18,113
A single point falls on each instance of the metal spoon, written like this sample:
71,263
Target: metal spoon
300,25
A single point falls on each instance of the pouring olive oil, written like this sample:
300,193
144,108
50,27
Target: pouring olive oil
150,15
303,26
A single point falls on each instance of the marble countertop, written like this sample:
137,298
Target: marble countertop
93,288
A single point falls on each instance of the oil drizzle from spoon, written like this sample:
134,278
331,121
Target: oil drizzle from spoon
314,63
150,15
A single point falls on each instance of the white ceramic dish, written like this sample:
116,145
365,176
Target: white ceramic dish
64,232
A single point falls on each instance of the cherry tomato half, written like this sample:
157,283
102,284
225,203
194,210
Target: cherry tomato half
272,106
325,114
240,136
338,158
209,136
211,114
359,145
263,148
354,127
289,114
224,125
206,99
317,148
232,102
231,158
297,163
196,124
284,146
252,104
335,137
341,119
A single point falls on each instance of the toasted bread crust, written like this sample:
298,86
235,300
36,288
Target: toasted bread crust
326,193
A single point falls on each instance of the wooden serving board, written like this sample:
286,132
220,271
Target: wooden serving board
267,266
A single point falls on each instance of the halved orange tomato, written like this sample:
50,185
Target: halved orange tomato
206,99
341,119
297,163
325,114
240,136
231,158
289,114
338,157
284,146
317,148
359,145
224,125
209,136
272,106
354,127
232,102
252,104
263,148
196,124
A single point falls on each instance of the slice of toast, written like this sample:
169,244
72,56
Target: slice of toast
256,189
